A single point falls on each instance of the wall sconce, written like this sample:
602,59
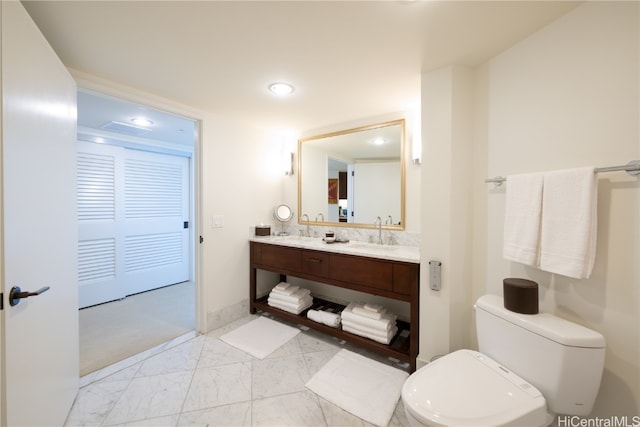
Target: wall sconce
288,141
417,153
416,137
287,163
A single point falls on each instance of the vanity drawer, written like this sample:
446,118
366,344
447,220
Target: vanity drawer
315,263
368,272
405,278
279,257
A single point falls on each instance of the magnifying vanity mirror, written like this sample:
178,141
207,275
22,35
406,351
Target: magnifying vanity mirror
282,213
351,177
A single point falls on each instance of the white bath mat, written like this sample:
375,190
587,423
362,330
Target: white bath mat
260,337
368,389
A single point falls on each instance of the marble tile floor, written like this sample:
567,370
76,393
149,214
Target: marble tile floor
203,381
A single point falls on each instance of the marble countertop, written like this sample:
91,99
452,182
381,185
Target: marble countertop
371,250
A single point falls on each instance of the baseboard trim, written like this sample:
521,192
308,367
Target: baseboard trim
227,315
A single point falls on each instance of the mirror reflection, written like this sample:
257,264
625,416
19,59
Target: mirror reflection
352,177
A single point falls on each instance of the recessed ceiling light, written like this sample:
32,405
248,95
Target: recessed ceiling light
281,89
141,121
378,141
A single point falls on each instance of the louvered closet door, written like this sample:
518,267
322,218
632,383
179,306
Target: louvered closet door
99,261
132,208
156,211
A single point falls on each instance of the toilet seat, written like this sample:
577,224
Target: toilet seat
467,388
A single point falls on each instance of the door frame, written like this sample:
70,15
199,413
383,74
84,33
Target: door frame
99,86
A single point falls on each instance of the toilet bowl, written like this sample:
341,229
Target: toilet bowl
529,367
467,388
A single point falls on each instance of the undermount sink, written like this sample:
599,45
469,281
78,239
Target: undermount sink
298,239
372,247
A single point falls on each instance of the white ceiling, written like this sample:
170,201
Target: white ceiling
348,60
96,110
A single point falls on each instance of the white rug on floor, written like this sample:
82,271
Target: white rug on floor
368,389
260,337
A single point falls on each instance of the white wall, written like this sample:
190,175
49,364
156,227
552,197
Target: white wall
446,209
242,180
567,96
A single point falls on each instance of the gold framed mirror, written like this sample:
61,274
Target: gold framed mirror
351,177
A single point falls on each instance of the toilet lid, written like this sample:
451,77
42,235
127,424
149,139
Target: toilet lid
467,388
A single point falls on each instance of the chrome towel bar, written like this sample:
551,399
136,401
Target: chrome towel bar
632,168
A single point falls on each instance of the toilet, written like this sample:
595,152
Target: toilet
529,368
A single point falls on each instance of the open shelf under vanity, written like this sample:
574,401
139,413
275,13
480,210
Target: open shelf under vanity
376,276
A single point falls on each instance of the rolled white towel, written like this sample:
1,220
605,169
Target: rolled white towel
330,319
315,315
324,317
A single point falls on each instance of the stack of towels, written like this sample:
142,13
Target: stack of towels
370,321
291,298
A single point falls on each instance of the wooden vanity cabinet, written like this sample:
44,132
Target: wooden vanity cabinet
387,278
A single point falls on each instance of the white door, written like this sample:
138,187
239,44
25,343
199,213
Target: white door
376,187
133,216
39,242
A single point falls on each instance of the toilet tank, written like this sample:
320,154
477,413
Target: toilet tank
560,358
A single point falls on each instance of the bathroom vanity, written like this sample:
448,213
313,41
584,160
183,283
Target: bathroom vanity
388,271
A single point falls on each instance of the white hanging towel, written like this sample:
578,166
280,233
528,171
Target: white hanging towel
569,222
523,208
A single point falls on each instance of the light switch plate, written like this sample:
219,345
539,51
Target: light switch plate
217,221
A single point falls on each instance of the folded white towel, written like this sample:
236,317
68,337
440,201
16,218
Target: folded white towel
385,323
523,208
290,290
299,294
361,311
367,330
291,308
282,285
569,222
374,307
324,317
296,302
381,338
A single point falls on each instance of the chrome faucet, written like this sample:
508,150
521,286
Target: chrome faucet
308,232
321,215
389,220
378,221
